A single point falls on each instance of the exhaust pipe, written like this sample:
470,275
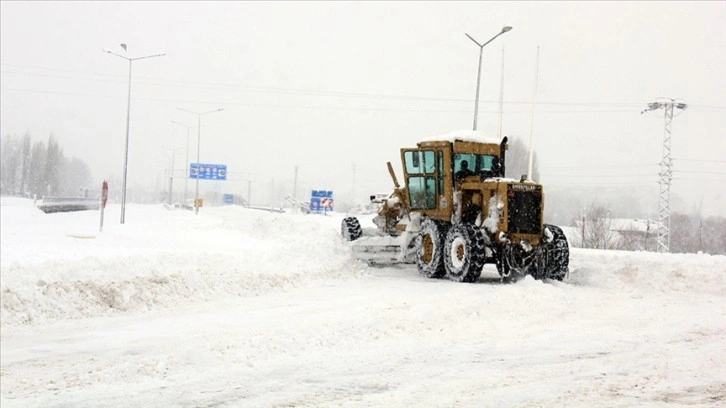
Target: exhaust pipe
502,153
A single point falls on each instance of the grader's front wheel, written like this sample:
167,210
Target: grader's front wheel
464,253
429,255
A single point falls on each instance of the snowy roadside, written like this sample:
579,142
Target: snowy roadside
245,308
160,259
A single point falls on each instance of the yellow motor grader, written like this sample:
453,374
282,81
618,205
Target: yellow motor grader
457,212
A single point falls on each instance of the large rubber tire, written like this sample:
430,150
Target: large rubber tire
464,253
558,254
430,251
350,229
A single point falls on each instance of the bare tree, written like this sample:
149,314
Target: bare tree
682,234
25,163
10,164
39,169
36,172
713,236
54,161
595,228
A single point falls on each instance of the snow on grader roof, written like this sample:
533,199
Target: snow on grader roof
465,135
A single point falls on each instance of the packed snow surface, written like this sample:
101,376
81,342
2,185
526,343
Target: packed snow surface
237,307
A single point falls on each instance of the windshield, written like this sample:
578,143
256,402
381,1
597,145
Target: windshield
476,163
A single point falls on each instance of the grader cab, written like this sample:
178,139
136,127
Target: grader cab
456,212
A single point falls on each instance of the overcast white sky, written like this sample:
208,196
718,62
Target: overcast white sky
337,86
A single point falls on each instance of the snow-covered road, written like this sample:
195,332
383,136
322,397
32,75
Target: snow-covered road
268,310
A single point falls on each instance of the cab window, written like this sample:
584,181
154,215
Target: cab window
421,168
422,192
420,162
477,162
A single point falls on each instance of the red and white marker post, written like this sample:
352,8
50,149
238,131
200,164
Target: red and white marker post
104,198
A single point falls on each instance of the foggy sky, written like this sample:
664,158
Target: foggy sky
337,88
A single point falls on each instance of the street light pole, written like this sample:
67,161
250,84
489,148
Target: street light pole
171,176
171,179
199,139
128,121
186,164
478,75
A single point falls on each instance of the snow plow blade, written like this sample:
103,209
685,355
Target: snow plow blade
383,249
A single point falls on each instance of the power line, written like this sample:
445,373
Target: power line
598,175
300,91
598,166
698,160
377,109
700,172
576,176
576,183
696,179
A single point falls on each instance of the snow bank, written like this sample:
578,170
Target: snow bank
167,258
158,259
628,271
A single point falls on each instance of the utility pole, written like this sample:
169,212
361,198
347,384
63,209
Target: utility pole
501,99
171,179
666,172
294,186
352,201
531,124
186,163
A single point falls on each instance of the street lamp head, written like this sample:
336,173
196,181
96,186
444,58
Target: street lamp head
506,28
106,50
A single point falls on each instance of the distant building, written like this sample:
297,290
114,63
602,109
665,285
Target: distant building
614,233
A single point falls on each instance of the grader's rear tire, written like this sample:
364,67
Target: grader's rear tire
350,229
430,252
464,253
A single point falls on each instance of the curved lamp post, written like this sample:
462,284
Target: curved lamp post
478,75
128,119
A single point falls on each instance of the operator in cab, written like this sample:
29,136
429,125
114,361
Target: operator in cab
464,171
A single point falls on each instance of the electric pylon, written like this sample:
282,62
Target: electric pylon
666,171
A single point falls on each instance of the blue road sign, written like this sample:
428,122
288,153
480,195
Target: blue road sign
208,171
229,198
321,201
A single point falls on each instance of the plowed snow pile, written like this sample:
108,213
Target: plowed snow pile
60,266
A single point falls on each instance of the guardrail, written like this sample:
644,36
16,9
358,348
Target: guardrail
63,204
